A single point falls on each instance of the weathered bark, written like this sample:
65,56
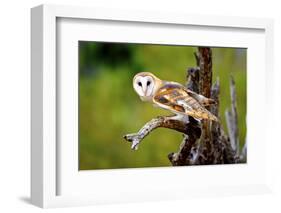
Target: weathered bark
162,121
205,76
193,79
205,85
232,119
205,142
216,134
187,154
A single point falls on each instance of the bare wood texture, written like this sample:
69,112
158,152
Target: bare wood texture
205,76
187,153
232,119
216,134
162,121
193,79
204,56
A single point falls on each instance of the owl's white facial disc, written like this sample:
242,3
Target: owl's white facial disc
144,85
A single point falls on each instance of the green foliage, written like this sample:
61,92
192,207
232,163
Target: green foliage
109,108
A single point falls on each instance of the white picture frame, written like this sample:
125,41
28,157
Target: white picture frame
48,165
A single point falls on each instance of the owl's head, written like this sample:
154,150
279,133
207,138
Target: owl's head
145,84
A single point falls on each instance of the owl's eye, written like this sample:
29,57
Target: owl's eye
148,83
139,83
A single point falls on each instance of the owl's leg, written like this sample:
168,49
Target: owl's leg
181,117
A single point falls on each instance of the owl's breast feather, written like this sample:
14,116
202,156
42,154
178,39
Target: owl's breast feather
146,98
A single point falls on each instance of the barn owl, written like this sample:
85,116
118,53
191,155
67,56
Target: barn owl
172,96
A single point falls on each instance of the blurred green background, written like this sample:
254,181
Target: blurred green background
109,108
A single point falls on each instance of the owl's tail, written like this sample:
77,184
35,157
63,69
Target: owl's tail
208,102
212,117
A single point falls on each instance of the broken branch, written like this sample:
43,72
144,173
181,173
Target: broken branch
163,121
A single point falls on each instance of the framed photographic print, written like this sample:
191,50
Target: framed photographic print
130,106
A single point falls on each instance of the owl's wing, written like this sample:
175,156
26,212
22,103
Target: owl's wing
200,98
176,98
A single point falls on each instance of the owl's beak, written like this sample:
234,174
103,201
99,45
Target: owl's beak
144,91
